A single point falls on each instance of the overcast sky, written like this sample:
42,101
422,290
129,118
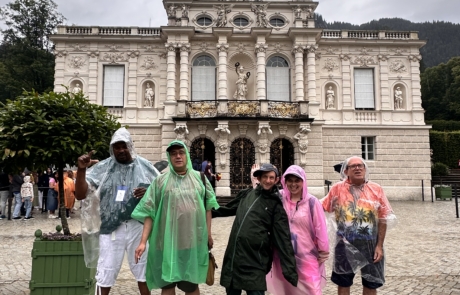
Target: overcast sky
144,12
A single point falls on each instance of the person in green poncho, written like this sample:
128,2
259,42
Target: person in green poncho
176,212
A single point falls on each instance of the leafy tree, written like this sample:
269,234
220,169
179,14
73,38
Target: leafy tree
36,130
30,21
26,58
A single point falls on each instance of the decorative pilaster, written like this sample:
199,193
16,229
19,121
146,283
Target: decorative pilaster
260,50
416,88
60,58
263,143
171,72
133,56
347,102
302,138
311,71
183,83
386,103
222,49
299,73
93,74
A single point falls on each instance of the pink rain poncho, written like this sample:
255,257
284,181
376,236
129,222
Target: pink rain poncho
308,236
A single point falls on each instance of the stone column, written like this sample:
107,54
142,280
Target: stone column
299,73
222,49
60,58
415,78
132,80
184,74
260,50
171,72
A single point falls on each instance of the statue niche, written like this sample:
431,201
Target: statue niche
330,97
399,97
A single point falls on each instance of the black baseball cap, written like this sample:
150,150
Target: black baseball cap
293,173
173,145
265,168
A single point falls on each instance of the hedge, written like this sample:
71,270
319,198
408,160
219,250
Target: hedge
443,125
446,147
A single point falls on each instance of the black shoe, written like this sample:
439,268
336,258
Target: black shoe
19,217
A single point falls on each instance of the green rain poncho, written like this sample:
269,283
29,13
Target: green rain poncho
178,244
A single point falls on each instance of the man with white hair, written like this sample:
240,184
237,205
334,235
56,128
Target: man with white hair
362,213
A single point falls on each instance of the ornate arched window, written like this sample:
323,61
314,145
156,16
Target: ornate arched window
278,79
204,78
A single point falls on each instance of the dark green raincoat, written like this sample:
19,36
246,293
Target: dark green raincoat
260,224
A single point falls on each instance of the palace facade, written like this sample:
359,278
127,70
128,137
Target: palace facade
255,81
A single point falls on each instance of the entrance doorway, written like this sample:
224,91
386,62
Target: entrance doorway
242,156
203,149
282,154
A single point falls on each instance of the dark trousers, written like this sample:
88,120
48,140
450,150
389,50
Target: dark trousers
231,291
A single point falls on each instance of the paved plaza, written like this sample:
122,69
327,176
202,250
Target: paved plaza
421,252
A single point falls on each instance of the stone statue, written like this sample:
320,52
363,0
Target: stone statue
241,82
222,11
263,144
185,9
330,98
76,89
261,15
149,96
398,98
222,143
302,138
297,11
172,11
309,12
181,131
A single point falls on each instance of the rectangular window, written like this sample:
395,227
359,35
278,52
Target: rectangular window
368,148
278,83
203,83
364,89
114,82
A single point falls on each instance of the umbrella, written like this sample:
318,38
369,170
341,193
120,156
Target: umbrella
161,165
338,167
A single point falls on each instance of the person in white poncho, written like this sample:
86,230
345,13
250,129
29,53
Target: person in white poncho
111,190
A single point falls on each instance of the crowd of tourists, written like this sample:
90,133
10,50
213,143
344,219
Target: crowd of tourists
24,194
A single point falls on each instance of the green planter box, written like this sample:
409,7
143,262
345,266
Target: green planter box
443,193
58,268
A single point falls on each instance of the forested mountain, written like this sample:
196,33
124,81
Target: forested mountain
443,38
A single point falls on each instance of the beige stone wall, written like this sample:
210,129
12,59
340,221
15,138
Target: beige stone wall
402,158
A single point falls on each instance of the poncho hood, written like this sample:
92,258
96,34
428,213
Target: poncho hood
299,172
187,158
123,135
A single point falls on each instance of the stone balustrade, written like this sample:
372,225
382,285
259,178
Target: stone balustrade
79,30
365,116
358,34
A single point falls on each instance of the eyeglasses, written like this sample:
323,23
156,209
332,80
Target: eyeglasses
175,153
353,167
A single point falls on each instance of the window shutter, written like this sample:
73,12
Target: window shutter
364,89
114,77
203,83
278,83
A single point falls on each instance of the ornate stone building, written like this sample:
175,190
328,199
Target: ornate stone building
255,81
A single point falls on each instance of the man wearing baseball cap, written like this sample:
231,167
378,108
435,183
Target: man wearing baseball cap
260,225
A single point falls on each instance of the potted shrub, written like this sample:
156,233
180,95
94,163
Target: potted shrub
37,130
442,191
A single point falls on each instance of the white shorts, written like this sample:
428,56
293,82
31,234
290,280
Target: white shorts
112,251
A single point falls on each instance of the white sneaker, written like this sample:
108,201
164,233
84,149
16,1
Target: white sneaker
68,217
51,216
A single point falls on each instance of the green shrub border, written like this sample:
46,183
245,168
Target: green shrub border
446,147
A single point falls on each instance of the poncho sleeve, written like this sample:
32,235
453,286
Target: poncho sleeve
147,205
211,201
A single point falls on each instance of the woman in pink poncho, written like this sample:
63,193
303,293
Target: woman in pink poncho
308,236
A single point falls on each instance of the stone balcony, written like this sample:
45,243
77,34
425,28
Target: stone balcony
242,109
